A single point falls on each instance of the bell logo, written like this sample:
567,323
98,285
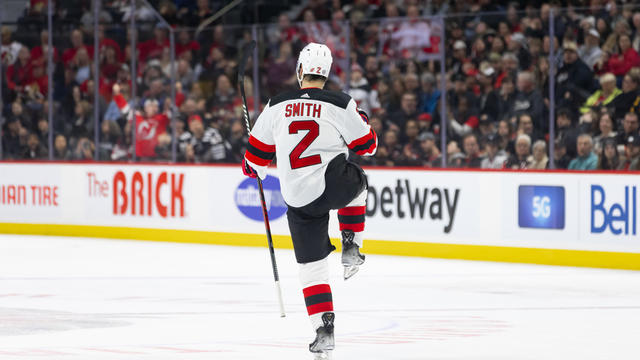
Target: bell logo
620,217
141,195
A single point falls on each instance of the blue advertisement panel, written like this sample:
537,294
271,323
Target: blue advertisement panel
541,207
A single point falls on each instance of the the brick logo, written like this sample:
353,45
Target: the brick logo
141,195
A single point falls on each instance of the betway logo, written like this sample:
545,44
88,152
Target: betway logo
620,218
405,201
251,197
142,195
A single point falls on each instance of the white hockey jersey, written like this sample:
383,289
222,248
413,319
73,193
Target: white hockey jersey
306,129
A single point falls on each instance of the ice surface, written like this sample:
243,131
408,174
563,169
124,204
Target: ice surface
77,298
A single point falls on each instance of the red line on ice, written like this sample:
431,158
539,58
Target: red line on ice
114,351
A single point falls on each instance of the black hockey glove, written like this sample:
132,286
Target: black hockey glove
247,170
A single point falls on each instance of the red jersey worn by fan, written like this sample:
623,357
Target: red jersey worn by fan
148,125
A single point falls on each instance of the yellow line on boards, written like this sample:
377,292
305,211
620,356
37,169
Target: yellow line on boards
584,258
150,234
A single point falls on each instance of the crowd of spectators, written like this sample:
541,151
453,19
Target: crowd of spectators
498,91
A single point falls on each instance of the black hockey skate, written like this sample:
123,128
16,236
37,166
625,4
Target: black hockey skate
351,257
324,343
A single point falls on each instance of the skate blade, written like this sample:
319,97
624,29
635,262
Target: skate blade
325,355
350,270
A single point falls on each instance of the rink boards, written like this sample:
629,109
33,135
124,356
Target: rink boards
560,218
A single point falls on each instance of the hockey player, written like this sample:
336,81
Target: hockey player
310,131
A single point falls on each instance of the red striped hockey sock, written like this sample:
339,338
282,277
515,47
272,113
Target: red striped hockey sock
319,300
352,218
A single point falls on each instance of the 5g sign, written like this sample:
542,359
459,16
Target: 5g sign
541,207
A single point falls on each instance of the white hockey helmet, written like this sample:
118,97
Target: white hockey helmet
314,59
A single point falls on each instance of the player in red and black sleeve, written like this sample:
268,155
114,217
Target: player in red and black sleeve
260,153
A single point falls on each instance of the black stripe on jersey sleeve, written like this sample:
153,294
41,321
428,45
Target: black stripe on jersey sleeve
259,153
365,146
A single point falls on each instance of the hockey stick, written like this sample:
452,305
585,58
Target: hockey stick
215,16
247,49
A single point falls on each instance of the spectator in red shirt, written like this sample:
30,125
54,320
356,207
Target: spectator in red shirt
152,49
149,125
105,42
77,43
109,63
39,53
186,43
626,58
37,86
19,73
110,71
284,32
217,41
